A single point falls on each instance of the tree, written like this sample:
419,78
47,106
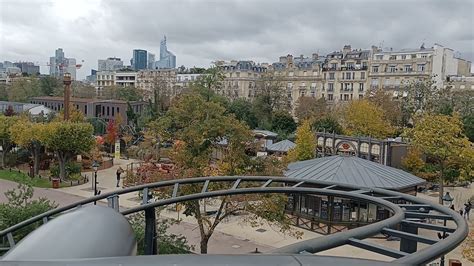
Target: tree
440,137
243,111
413,161
210,82
390,107
197,126
6,122
305,144
327,124
20,207
468,125
363,118
168,243
270,96
50,86
310,108
30,136
82,90
23,89
124,93
3,92
111,133
67,139
283,122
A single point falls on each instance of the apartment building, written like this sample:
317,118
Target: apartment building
126,79
392,70
345,75
165,79
104,79
240,78
301,76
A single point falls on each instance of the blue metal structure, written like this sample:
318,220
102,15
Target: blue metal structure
408,214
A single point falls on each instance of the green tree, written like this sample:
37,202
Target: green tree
168,243
363,118
23,89
283,122
6,122
310,108
440,137
327,124
67,139
468,125
305,144
20,207
210,82
3,92
243,110
30,136
50,86
197,126
82,90
270,96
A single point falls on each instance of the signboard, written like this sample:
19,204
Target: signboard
117,149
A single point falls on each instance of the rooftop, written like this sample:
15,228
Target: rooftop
353,171
281,146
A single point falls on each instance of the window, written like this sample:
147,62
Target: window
108,111
350,65
113,111
361,86
362,75
330,86
238,74
393,57
313,85
290,85
334,65
375,69
374,83
331,76
407,68
413,56
324,75
361,96
313,94
315,73
330,97
290,74
392,69
346,97
387,83
118,110
85,109
348,75
304,73
404,57
424,56
421,67
379,57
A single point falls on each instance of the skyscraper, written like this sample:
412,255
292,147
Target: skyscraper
151,61
139,60
58,65
167,58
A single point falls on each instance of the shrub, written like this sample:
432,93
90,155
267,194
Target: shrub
71,169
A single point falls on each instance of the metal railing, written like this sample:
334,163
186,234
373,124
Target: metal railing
400,224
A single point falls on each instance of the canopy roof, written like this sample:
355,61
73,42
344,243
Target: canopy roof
281,146
354,171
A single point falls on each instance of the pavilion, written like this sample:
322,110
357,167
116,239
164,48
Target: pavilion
328,214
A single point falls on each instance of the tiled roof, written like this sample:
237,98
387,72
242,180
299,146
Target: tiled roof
281,146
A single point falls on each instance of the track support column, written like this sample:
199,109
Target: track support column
151,247
407,245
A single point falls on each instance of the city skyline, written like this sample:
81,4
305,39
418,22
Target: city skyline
231,30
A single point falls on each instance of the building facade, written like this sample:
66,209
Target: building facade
151,61
110,64
104,79
28,68
345,75
92,108
125,79
240,78
139,60
162,79
185,79
167,58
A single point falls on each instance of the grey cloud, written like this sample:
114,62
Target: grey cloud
202,31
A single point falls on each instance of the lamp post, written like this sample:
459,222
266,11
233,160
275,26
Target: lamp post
67,80
447,201
1,158
95,166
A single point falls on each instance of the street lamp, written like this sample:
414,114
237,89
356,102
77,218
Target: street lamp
1,159
447,201
95,166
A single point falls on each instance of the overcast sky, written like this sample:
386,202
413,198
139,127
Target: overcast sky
200,31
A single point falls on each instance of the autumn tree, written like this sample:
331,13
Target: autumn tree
6,122
68,139
310,108
30,136
363,118
305,144
391,108
112,132
197,126
440,138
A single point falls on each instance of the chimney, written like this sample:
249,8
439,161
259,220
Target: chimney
375,49
347,48
289,58
315,56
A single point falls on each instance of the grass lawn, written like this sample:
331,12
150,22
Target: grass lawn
15,176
